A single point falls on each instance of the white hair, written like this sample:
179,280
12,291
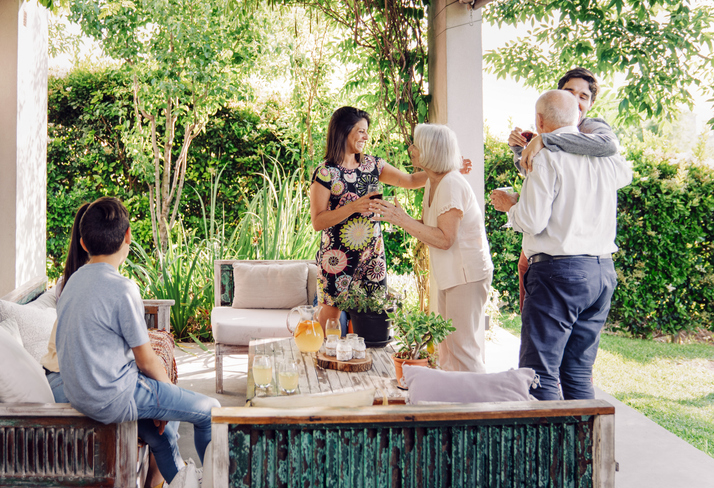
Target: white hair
438,148
558,108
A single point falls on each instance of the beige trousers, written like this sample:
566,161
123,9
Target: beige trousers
464,304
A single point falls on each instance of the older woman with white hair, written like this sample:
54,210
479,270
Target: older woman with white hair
452,226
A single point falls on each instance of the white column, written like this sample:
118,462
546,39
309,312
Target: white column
456,86
23,142
455,80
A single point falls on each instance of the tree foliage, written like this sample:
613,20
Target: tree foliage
387,41
181,57
663,47
87,157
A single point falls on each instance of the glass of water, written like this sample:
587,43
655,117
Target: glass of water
509,190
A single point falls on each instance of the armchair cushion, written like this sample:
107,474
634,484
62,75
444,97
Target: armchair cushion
270,286
34,320
239,326
22,379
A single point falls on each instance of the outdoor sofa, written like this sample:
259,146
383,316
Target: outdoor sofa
49,444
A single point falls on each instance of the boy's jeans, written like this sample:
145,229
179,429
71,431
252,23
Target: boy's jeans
163,401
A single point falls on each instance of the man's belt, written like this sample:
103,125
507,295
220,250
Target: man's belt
537,258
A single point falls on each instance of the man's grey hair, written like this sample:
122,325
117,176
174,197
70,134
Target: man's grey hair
559,108
438,148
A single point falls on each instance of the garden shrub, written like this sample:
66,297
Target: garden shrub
665,265
505,244
86,157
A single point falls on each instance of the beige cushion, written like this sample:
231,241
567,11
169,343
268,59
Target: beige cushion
273,286
311,283
34,320
362,398
433,385
238,326
22,379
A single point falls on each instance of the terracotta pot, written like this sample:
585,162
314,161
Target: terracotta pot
398,362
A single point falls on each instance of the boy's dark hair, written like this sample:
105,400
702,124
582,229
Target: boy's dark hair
104,226
584,74
76,255
341,124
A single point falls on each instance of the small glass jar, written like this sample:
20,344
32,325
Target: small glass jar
352,339
331,345
344,350
359,349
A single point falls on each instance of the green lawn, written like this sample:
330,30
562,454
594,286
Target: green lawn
672,384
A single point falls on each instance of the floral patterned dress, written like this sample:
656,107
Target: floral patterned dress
352,249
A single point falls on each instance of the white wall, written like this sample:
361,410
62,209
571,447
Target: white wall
23,142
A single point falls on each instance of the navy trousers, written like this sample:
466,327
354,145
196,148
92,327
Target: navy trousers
566,305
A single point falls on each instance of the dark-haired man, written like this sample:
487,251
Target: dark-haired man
110,371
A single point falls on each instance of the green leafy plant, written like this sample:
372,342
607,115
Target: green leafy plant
414,330
357,298
173,276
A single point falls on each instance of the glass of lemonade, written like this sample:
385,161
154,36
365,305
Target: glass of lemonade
288,375
262,371
333,327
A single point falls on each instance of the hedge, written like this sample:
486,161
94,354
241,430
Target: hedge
665,262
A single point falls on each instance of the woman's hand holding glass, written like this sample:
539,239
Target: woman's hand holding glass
385,211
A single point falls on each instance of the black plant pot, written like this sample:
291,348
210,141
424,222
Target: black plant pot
374,327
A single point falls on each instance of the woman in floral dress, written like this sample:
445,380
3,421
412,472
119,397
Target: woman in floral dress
351,247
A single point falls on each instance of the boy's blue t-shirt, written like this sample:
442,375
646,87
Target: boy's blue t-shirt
99,319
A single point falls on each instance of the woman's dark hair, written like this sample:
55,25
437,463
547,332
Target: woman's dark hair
584,74
104,226
341,124
76,255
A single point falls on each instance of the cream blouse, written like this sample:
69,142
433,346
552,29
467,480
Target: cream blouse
469,258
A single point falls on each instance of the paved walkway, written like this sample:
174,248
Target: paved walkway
648,455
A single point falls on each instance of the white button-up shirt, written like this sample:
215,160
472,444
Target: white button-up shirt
568,203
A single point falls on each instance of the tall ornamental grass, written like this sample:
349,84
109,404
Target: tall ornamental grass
276,225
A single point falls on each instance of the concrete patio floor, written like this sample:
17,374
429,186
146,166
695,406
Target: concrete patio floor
648,455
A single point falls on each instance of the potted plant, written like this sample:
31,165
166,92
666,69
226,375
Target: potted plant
368,312
415,332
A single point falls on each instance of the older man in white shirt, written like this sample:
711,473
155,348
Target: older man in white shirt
567,213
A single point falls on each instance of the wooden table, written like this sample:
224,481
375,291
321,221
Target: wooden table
314,379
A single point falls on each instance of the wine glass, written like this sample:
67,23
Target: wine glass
333,327
372,187
262,371
288,375
387,195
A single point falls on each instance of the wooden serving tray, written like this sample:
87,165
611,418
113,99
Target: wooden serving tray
351,366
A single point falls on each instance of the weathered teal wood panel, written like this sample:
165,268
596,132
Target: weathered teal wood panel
546,452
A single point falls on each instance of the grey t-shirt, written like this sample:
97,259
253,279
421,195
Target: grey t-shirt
99,319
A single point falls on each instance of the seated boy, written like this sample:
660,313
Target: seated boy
110,371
